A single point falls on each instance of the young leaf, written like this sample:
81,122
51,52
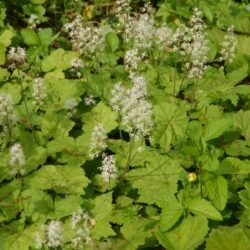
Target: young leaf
189,234
170,214
112,41
217,128
30,37
242,123
62,179
203,207
216,188
171,122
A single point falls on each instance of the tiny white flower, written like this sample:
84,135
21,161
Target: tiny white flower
70,105
39,91
229,46
33,21
81,224
15,57
108,168
98,141
54,234
17,159
89,100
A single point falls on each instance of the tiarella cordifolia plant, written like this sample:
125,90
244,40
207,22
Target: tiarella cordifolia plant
124,125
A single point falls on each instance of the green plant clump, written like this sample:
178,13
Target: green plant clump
124,124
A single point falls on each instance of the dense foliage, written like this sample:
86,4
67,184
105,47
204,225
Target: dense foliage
124,124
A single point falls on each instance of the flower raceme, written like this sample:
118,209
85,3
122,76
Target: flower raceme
17,159
15,57
98,141
8,117
229,46
81,223
190,41
136,112
108,168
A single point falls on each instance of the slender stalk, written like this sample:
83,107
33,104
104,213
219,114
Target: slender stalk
26,107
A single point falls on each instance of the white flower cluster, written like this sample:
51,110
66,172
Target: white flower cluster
50,236
98,141
163,37
108,168
136,111
140,28
54,234
17,159
132,58
8,117
70,105
15,57
86,39
39,92
89,100
76,66
191,42
33,21
81,223
229,46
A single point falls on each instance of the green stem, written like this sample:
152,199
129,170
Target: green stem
26,108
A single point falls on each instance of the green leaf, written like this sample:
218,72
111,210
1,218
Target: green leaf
62,179
203,207
238,75
170,214
30,37
112,41
101,113
228,238
22,240
55,125
157,180
45,36
245,196
102,228
38,204
242,123
171,122
239,147
216,128
244,44
6,36
135,229
58,59
189,234
67,205
231,165
163,240
216,188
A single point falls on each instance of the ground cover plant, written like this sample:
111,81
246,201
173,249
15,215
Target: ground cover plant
124,124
